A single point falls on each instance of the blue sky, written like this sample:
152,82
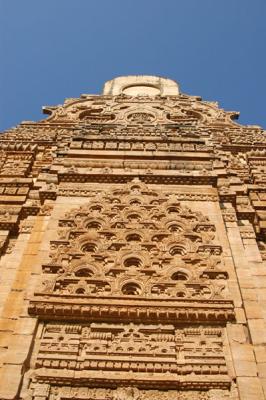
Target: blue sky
55,49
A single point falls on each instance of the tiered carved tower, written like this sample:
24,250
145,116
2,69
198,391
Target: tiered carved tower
132,250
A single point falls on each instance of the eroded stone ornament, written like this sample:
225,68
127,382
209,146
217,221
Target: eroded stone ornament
132,248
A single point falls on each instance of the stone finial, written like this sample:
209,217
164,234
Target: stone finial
141,85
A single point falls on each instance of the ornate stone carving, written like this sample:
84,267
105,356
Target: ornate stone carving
135,267
136,243
189,354
128,392
26,225
140,117
134,301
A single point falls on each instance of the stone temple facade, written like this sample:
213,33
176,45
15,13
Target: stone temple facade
133,256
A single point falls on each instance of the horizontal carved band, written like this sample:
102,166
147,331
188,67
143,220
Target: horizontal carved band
147,381
180,196
150,179
219,312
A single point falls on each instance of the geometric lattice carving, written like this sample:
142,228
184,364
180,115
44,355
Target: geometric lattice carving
137,291
136,244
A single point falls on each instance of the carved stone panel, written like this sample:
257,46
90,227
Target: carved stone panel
149,355
135,253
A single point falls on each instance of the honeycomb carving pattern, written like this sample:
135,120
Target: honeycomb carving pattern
137,244
144,277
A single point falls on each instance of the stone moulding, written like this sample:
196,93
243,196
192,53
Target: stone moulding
82,192
132,393
156,381
181,179
171,311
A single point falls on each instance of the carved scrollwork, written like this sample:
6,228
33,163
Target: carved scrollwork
140,117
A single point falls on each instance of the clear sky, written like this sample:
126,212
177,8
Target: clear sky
55,49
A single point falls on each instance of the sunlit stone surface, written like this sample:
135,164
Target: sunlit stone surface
133,250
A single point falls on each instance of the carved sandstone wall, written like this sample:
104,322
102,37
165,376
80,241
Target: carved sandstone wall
133,250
